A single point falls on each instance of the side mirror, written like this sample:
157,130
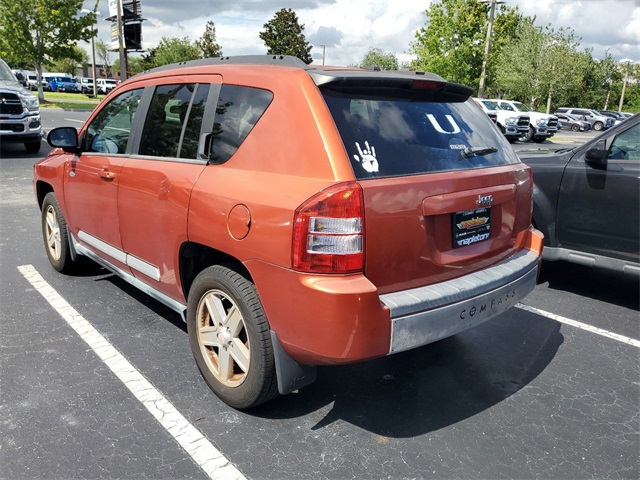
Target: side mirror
65,138
597,157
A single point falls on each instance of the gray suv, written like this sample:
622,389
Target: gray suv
596,119
19,112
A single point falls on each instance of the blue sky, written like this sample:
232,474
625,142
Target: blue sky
349,27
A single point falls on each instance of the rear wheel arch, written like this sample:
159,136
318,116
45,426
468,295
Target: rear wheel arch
195,257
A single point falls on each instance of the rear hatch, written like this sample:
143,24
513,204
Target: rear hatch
445,195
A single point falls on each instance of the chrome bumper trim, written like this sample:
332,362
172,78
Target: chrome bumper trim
427,314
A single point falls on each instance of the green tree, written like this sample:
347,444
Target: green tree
283,35
71,65
148,60
207,43
452,42
600,82
174,50
103,58
42,31
541,65
376,57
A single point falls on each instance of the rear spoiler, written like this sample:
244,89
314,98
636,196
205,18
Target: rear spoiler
405,84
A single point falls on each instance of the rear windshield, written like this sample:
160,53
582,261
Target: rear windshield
387,136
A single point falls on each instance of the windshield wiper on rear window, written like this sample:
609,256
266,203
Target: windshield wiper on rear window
478,152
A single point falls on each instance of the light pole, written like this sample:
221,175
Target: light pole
487,46
323,52
626,61
93,52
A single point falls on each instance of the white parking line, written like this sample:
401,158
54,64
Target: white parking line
74,120
583,326
209,458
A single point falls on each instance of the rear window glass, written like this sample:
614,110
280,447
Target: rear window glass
395,136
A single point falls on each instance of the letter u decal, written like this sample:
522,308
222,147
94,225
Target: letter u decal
436,125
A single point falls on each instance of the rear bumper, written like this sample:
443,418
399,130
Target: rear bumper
427,314
331,320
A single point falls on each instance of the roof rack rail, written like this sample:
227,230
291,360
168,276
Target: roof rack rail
286,60
283,60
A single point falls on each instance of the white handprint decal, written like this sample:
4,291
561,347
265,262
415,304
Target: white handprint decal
367,157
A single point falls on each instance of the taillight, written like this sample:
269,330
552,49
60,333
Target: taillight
328,231
426,84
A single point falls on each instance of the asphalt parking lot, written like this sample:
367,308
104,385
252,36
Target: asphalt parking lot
97,381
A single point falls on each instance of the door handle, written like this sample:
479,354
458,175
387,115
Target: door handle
105,174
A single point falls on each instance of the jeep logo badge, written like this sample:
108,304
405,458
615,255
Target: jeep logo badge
484,200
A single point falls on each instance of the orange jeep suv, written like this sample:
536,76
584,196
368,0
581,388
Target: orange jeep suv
294,215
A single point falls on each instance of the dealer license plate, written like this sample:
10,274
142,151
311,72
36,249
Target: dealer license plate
471,226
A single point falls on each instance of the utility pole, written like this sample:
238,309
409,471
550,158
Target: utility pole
121,46
487,46
624,82
93,50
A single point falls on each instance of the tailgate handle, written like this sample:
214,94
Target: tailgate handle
467,200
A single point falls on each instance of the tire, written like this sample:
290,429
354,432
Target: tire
512,140
539,139
54,234
33,147
598,126
527,136
230,337
575,128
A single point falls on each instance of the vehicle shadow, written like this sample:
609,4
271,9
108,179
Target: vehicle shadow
430,388
418,391
17,150
158,308
621,289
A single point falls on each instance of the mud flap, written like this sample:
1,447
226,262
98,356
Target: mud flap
291,375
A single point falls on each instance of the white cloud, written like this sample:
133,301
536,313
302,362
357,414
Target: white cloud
603,25
349,28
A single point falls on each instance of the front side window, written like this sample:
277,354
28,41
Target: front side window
238,110
109,131
395,136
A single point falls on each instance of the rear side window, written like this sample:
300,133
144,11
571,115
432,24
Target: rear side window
395,136
109,130
238,110
626,146
172,126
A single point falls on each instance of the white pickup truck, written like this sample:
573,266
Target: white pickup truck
513,127
541,126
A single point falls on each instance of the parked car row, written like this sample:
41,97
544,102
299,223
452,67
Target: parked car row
59,82
518,122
